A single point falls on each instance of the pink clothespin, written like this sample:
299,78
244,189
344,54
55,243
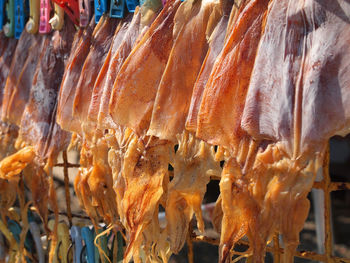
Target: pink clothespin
45,9
85,11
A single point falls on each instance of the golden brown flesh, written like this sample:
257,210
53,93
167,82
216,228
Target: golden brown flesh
100,43
80,50
19,81
136,85
129,32
194,22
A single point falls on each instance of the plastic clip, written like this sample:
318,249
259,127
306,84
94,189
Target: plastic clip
21,14
131,5
117,9
57,20
63,242
71,7
100,9
2,13
35,230
88,236
9,27
102,241
84,12
75,233
45,9
34,14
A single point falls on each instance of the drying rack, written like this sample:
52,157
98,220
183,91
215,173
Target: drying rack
275,248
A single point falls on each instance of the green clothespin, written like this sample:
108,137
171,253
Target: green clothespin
9,27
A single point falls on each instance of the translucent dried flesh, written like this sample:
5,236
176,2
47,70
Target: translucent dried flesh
310,71
100,44
38,119
194,22
132,97
106,76
129,33
19,81
80,49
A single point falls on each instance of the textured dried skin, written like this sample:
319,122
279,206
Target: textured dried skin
80,50
7,50
295,77
106,73
8,136
193,164
224,95
39,116
129,33
8,190
136,85
216,43
286,105
19,81
100,44
8,133
194,22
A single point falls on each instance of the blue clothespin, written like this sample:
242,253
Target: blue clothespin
35,231
131,5
88,236
75,233
2,13
21,15
117,9
100,9
16,230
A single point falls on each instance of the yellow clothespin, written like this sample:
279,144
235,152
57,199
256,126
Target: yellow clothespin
63,242
32,25
57,20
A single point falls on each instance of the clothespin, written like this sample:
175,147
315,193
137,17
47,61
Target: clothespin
84,12
45,9
75,233
100,9
9,27
34,15
118,248
71,7
16,230
117,9
131,5
63,242
21,14
57,20
2,13
35,231
88,236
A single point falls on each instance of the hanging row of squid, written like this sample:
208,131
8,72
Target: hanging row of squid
260,85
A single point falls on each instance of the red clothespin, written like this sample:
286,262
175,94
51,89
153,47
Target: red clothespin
71,8
85,12
45,9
